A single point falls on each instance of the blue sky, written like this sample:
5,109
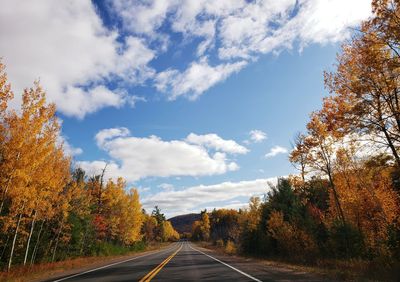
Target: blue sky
193,102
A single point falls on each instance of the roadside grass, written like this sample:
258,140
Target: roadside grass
339,270
47,270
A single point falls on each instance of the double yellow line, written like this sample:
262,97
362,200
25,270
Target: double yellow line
154,272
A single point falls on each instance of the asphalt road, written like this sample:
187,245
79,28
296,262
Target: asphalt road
183,261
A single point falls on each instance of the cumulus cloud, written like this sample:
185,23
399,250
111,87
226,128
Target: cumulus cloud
193,199
67,47
256,136
69,149
135,158
196,79
276,150
106,134
215,142
142,17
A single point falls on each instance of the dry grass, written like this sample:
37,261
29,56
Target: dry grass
361,270
48,270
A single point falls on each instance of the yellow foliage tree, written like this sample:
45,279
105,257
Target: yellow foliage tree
34,169
168,233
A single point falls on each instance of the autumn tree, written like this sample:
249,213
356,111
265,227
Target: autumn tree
149,228
225,225
196,230
205,226
298,156
168,233
160,219
250,232
365,84
318,150
34,169
45,214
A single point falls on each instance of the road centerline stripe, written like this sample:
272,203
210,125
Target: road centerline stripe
154,272
108,265
230,266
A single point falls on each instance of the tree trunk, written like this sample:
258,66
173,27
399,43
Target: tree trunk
101,189
57,239
383,128
29,238
392,147
14,240
33,257
339,206
335,194
48,249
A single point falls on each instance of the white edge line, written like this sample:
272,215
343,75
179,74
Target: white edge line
230,266
108,265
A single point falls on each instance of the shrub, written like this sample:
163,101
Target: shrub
230,248
346,240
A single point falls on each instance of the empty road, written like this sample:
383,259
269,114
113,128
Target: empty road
184,261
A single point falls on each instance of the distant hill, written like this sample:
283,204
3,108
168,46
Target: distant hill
183,223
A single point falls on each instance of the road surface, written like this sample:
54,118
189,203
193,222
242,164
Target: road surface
183,261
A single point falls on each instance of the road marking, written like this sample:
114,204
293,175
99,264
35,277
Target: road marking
230,266
154,272
108,265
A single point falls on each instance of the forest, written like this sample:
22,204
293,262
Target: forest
50,211
344,202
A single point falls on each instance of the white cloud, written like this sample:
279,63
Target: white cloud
276,150
166,186
323,21
195,198
106,134
96,167
143,17
257,136
75,101
196,79
215,142
66,45
135,158
69,149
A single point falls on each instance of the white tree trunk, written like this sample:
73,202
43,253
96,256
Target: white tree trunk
14,240
55,247
33,257
29,238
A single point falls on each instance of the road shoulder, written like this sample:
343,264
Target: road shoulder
53,271
109,261
266,270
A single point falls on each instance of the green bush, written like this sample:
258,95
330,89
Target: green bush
346,241
109,249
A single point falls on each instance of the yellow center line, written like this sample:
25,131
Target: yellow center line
154,272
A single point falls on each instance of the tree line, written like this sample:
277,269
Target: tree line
344,203
49,211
